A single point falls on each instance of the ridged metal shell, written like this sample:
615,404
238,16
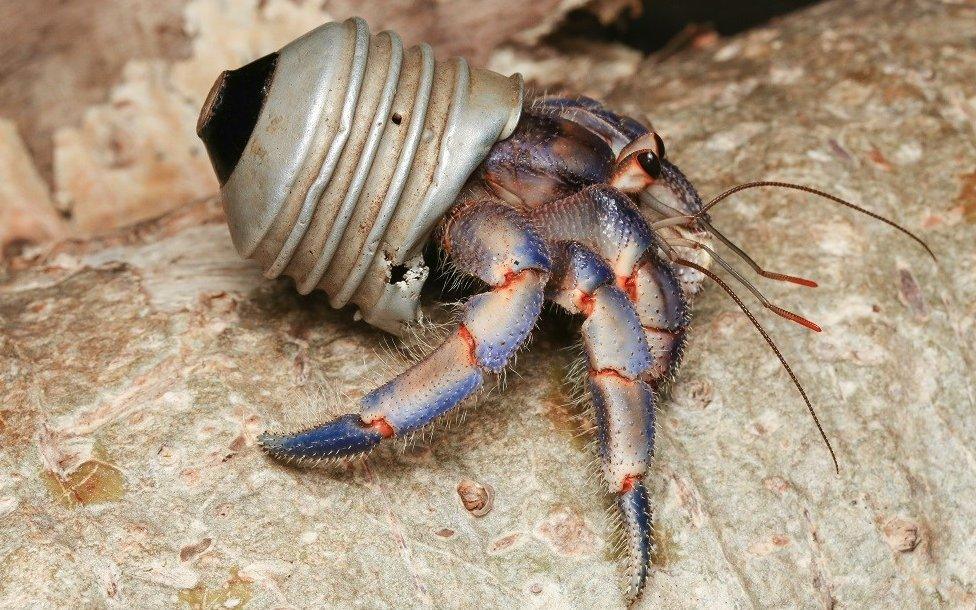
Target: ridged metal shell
360,148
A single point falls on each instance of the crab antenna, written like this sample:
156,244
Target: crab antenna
672,221
782,277
806,189
659,206
683,219
783,313
772,345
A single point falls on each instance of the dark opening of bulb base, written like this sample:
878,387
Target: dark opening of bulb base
231,111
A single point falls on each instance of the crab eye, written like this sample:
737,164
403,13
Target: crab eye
659,143
651,163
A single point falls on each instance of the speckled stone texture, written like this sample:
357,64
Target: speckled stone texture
137,369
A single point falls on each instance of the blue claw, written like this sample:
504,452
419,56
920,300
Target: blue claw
341,437
636,514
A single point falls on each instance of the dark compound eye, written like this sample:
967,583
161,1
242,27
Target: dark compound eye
651,163
659,143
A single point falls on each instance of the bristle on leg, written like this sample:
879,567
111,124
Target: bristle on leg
635,512
487,240
342,437
618,358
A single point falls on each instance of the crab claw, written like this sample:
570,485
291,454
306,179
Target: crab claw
636,515
342,437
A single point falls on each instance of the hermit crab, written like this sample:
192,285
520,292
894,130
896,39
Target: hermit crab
342,155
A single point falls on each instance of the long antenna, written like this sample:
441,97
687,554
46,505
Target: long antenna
776,309
772,345
806,189
781,277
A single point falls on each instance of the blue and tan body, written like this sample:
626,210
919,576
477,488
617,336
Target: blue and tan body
341,155
553,213
501,251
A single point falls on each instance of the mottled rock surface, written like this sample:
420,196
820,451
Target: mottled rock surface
27,214
136,370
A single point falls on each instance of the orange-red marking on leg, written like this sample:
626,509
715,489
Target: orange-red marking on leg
629,285
511,277
586,303
469,341
609,373
382,426
629,481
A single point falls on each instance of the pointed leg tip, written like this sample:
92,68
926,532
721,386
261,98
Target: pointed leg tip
266,440
342,437
636,513
800,281
812,326
271,442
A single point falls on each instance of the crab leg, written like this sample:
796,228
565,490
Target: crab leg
616,130
610,224
494,243
657,295
618,356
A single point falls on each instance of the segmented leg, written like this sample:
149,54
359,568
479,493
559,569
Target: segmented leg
546,158
607,222
487,240
663,311
618,357
615,129
666,194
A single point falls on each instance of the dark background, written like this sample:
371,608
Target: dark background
661,21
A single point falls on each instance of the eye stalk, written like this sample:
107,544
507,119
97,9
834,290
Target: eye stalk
650,163
637,171
650,142
659,144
